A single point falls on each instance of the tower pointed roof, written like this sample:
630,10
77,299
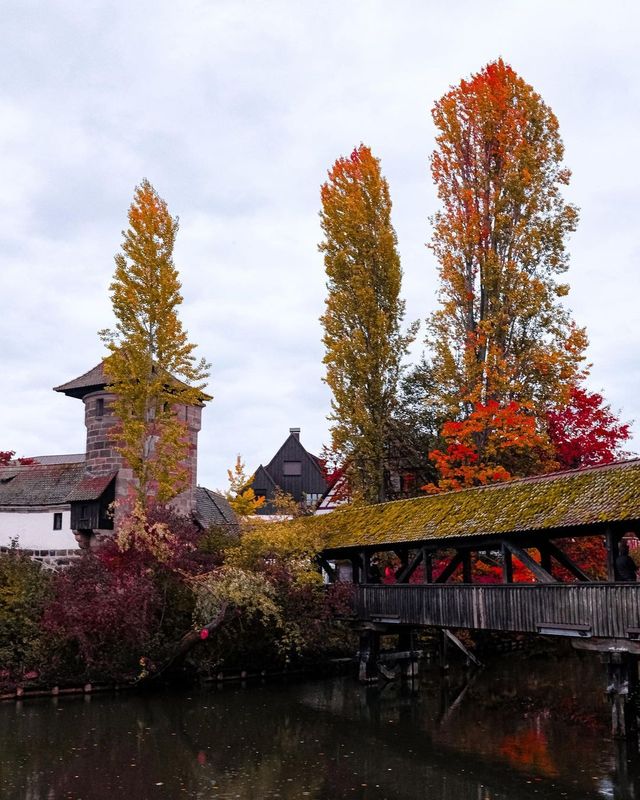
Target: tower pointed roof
96,379
91,381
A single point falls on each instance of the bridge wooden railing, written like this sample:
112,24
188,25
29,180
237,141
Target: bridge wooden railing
607,610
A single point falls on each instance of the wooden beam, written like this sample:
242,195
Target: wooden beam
563,559
466,566
403,555
427,558
406,572
545,557
531,564
364,561
507,565
451,567
461,647
355,567
600,645
612,538
525,539
326,566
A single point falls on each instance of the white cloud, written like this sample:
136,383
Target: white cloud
235,110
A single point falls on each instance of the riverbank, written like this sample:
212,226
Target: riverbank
427,654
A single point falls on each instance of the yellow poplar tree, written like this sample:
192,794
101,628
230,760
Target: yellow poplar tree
364,343
151,369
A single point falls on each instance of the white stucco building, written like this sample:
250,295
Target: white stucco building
34,510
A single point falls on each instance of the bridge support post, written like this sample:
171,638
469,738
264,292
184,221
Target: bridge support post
622,690
443,650
409,667
368,656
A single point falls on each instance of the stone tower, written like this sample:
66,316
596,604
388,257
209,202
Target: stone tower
106,475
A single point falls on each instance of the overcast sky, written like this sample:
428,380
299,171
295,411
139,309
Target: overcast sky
235,111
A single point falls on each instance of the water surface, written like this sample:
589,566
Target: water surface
519,729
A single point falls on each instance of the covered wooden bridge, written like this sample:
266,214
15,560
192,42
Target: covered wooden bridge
533,524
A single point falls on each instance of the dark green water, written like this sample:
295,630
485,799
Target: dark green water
519,729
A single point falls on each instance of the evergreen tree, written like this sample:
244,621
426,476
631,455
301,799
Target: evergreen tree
151,368
417,423
501,333
364,343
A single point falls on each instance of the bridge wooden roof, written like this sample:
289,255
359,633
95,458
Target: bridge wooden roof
556,503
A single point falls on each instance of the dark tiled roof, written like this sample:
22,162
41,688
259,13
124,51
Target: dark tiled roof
95,379
558,500
90,487
78,387
38,485
293,447
213,509
71,458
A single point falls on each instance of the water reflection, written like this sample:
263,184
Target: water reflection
519,729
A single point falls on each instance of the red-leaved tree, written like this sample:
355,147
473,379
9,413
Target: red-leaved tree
7,456
585,431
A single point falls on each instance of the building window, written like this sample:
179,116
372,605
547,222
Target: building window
292,468
99,407
57,521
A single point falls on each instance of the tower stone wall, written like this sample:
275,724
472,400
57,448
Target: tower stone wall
102,457
185,503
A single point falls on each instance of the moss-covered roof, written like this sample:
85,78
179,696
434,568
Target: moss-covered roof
584,497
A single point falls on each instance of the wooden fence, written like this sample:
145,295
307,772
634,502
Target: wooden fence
607,610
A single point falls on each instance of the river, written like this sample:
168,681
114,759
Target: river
519,728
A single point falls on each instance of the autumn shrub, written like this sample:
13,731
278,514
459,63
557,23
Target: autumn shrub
101,621
278,609
122,610
272,618
24,590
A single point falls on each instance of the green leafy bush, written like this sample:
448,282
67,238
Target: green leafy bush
25,588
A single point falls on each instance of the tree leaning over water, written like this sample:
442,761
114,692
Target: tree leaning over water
501,333
364,343
151,368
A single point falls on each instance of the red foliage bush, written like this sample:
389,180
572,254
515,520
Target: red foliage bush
119,608
102,621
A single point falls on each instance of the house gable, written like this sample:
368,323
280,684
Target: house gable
296,471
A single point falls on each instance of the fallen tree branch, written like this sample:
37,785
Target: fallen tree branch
188,641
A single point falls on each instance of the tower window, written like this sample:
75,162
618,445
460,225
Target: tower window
57,521
99,407
292,468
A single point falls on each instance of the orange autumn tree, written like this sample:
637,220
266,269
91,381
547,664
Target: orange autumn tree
501,332
492,444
